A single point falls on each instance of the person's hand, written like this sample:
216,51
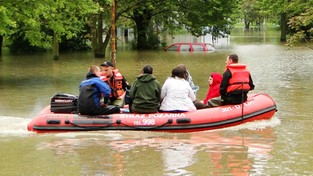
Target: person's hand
105,100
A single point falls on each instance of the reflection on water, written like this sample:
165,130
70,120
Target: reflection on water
280,146
143,153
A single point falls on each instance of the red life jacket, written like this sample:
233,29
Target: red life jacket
240,78
116,84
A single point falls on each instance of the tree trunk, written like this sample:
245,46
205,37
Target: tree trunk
93,33
100,53
106,40
113,35
247,23
56,51
283,26
1,43
142,31
142,20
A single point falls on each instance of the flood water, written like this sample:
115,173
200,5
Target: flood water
280,146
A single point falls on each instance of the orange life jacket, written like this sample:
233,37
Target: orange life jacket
116,84
240,78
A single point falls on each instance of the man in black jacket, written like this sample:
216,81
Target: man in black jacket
235,85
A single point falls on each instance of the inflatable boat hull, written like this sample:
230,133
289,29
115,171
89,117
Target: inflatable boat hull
257,107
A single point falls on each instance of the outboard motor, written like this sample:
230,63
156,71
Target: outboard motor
64,103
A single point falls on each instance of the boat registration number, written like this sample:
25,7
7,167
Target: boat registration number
144,122
229,108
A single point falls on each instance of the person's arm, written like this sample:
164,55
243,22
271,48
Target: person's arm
125,84
164,89
133,89
207,97
251,83
190,81
104,89
224,83
191,95
158,90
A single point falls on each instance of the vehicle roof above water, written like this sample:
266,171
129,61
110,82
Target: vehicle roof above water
194,43
177,46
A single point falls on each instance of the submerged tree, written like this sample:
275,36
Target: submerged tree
209,16
194,15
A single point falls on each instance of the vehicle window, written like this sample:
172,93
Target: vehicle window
184,47
173,48
197,47
210,48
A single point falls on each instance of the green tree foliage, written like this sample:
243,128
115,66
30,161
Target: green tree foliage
216,17
251,13
7,24
283,10
44,22
303,27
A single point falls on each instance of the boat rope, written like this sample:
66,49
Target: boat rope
169,121
119,122
89,127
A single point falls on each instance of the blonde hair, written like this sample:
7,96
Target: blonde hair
94,69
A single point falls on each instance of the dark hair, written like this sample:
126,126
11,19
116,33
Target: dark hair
147,69
234,58
107,64
179,71
184,69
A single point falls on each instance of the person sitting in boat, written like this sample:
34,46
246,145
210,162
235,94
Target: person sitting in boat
189,79
176,93
117,83
91,91
145,92
236,83
214,81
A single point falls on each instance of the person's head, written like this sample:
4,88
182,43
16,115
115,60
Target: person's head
179,72
183,67
107,68
94,69
232,58
215,78
147,69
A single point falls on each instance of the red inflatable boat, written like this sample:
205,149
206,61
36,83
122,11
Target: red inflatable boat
257,107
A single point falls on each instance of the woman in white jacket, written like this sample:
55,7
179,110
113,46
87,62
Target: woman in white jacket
176,93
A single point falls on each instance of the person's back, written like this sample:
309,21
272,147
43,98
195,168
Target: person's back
145,92
91,91
176,93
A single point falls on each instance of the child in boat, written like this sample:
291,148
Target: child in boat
188,78
214,82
